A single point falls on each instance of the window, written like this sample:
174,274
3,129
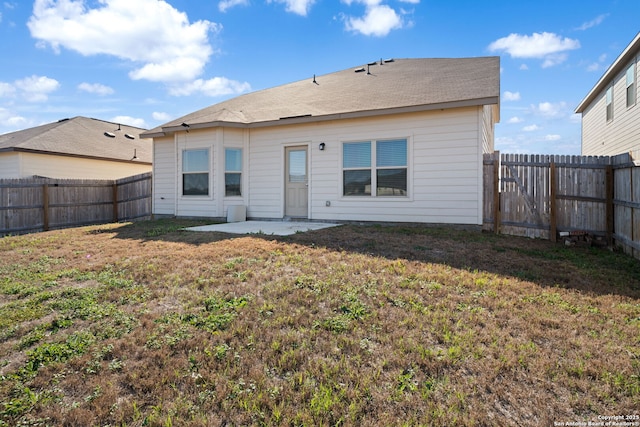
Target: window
631,85
387,178
232,171
609,102
195,172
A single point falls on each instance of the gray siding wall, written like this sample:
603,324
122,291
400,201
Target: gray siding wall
620,135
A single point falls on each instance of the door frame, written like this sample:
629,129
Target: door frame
285,153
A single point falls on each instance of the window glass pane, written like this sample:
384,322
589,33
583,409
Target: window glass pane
233,159
630,75
298,166
631,86
391,153
195,160
357,182
232,184
195,184
356,155
609,97
391,182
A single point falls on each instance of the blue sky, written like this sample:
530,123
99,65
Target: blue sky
145,62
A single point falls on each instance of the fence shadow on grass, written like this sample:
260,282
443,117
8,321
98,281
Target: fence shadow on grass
586,269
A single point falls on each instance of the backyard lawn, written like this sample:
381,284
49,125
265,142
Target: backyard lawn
144,324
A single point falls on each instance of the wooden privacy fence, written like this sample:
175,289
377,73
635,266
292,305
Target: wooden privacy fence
40,204
542,196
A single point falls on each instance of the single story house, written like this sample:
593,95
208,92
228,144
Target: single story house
396,140
610,111
76,148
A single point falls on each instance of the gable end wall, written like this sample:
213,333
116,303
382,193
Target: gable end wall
620,135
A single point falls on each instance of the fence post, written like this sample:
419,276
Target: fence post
115,201
45,207
496,193
553,232
610,216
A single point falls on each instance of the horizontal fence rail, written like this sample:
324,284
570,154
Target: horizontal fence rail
39,204
545,196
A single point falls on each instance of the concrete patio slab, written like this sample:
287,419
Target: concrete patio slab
275,228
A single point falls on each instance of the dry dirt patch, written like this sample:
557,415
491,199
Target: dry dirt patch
143,324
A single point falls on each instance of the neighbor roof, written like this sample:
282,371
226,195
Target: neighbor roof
629,52
81,137
381,87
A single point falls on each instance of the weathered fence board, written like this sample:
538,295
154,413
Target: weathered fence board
540,196
40,204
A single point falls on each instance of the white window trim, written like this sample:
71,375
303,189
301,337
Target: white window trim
634,83
373,197
181,172
606,104
225,171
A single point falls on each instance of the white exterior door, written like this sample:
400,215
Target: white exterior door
296,182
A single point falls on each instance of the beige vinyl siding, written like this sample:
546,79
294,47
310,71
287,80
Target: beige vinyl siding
266,160
487,129
52,166
233,138
619,135
164,176
444,168
198,206
10,165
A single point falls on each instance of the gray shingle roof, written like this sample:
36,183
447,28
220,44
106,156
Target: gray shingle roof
80,137
382,87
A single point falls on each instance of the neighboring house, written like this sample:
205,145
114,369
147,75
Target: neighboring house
79,148
610,111
396,140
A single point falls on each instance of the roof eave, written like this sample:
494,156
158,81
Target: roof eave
611,72
78,156
493,100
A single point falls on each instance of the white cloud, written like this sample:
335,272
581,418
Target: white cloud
224,5
152,34
131,121
554,59
531,128
511,96
10,121
6,89
594,67
552,137
299,7
378,20
547,46
594,22
161,117
96,88
36,88
515,119
600,65
524,67
551,110
216,86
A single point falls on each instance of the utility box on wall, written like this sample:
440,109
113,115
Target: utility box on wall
236,213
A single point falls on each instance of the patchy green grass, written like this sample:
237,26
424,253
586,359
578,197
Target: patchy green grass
143,324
